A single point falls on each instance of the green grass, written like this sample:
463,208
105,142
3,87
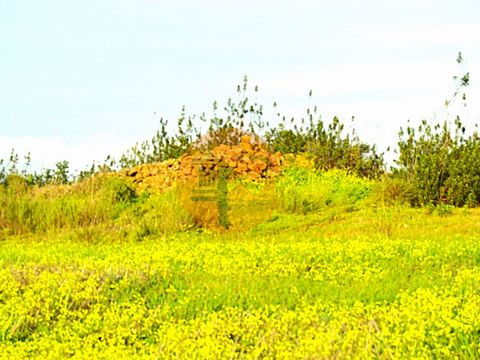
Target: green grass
304,191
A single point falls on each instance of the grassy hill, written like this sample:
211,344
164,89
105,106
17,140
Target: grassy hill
314,265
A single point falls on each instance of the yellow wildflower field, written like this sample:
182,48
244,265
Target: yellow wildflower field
377,283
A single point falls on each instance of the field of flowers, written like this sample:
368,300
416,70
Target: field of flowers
381,283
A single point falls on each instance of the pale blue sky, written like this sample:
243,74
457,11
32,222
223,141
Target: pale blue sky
80,80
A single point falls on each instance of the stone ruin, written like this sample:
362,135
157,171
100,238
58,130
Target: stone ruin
249,160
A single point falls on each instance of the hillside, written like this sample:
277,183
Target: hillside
381,282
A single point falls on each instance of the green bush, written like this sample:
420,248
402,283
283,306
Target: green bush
392,190
441,165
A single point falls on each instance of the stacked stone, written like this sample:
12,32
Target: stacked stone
248,160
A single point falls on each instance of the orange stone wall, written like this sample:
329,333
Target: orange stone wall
246,160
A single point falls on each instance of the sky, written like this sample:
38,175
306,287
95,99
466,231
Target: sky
80,80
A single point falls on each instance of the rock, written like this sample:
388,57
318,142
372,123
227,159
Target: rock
245,159
253,175
259,165
247,147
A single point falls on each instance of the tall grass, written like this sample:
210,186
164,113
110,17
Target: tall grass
110,204
100,201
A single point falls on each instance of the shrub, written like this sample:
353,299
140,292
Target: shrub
391,190
441,165
445,210
439,161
